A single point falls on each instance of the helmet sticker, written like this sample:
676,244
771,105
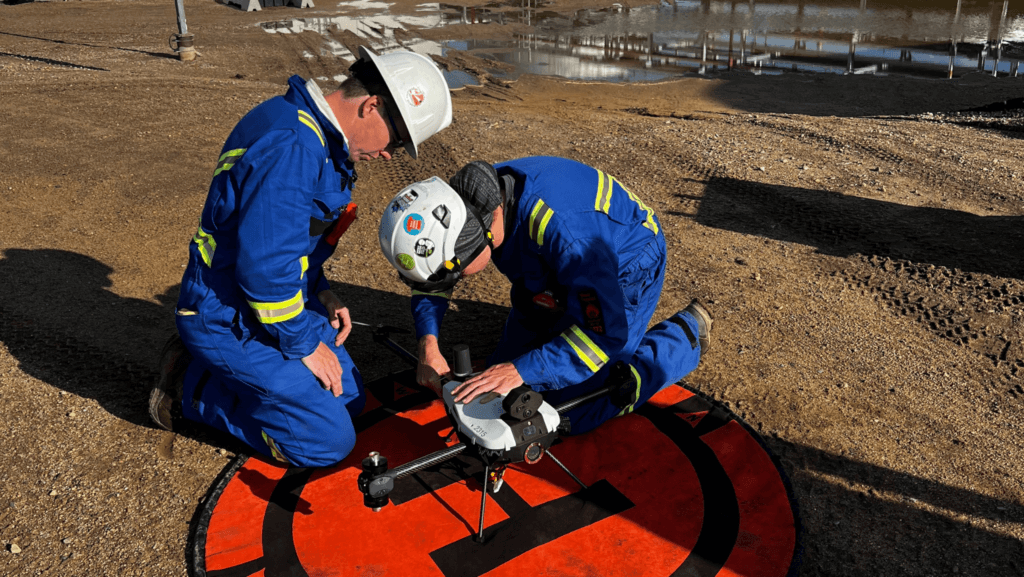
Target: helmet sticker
442,214
424,247
405,261
414,224
404,200
415,96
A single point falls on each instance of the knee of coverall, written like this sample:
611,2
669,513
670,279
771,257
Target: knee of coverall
665,355
306,424
257,393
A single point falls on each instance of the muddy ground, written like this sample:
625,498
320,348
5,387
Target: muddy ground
860,248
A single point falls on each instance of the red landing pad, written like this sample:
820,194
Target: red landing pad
679,487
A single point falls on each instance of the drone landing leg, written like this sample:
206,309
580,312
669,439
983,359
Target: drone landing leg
483,503
566,469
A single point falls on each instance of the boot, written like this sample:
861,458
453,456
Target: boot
704,322
165,397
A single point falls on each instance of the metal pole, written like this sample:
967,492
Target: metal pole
566,469
483,504
179,7
182,42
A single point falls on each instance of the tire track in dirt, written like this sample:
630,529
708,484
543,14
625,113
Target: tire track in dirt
902,256
975,311
921,167
388,177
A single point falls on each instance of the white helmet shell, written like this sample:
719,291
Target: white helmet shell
420,226
418,90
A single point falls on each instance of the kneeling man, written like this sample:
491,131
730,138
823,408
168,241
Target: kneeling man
586,259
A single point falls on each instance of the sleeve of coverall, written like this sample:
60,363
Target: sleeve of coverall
427,311
588,268
317,279
273,242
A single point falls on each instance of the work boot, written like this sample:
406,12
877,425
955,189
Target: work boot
704,322
165,397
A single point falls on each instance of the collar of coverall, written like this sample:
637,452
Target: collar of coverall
325,109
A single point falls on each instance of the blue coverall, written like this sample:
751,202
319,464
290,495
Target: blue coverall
586,259
248,310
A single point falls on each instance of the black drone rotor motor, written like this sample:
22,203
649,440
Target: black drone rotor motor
373,467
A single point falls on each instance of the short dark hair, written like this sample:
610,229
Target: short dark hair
352,87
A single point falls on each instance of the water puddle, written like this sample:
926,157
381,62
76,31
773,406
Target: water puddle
936,38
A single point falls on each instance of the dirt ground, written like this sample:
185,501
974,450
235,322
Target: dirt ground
859,246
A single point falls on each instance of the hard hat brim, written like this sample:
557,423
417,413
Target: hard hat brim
391,102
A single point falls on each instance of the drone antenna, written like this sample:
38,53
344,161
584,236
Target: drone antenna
463,363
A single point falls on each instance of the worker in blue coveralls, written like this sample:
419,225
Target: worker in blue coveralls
261,354
586,258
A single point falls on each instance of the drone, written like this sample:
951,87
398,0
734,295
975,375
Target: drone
498,430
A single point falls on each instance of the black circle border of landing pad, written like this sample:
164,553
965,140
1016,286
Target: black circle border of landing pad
195,552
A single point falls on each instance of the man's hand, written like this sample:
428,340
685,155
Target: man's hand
432,364
497,379
337,313
324,365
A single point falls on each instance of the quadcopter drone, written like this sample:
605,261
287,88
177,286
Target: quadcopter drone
498,430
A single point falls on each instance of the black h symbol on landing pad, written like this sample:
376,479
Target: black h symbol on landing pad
526,528
529,528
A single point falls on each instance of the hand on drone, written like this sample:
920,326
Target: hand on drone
432,365
500,379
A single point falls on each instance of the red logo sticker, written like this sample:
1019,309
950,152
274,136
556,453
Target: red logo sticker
414,224
416,96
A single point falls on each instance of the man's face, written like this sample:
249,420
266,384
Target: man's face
375,135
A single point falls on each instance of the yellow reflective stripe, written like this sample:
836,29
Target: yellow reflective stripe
269,313
426,294
629,409
274,450
205,243
539,218
308,120
603,200
589,353
650,223
228,159
304,263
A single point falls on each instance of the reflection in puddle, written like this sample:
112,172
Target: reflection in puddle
938,38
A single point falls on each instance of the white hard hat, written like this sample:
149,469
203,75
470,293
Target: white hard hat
419,230
418,94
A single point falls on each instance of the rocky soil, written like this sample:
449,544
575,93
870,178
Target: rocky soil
859,241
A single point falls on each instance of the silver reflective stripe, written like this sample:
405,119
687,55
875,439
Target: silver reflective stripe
629,409
308,120
205,243
603,201
539,218
228,159
588,352
269,313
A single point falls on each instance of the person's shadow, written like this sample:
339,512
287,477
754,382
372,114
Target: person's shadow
844,225
62,322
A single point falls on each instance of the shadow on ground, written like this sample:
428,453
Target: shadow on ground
863,95
876,521
64,325
841,225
